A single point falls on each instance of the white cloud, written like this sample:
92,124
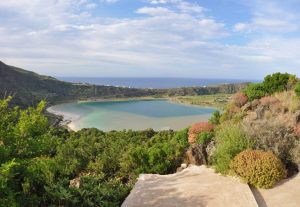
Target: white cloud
110,1
154,11
158,1
270,16
187,7
242,27
91,6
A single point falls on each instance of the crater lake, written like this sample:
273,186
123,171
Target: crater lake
131,114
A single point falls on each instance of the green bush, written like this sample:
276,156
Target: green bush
205,137
297,88
277,82
259,168
255,91
215,118
230,140
238,117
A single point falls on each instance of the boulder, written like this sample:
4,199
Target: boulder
196,155
210,148
260,112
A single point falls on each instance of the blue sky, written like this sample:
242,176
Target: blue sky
244,39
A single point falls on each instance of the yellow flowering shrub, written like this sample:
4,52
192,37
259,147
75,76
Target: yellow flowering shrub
259,168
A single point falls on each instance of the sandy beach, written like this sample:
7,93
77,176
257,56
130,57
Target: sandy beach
68,118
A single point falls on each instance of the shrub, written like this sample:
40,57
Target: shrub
240,99
238,117
215,118
259,168
204,137
297,88
277,82
255,91
230,111
289,101
197,128
272,135
296,155
230,140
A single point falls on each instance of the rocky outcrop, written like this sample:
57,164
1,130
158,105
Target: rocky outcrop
297,117
247,107
210,148
250,105
260,112
196,155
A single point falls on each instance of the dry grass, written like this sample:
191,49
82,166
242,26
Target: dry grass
289,101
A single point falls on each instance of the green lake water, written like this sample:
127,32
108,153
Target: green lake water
136,115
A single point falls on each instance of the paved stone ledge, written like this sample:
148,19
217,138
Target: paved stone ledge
284,194
192,187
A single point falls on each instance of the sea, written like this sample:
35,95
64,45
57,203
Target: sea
152,82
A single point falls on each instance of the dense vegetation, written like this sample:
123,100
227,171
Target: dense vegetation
265,118
230,140
276,82
42,166
29,88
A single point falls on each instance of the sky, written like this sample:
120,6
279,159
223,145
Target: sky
238,39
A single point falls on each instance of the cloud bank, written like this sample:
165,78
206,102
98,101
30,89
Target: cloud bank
170,38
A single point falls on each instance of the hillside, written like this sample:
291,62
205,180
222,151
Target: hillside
28,88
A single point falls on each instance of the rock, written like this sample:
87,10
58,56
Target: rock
297,117
210,148
254,103
182,167
196,155
75,183
247,107
179,169
260,112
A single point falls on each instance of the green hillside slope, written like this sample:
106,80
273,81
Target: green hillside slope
28,88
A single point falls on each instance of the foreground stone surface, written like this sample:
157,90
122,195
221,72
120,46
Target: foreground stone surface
195,186
285,194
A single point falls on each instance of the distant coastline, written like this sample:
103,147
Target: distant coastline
153,83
